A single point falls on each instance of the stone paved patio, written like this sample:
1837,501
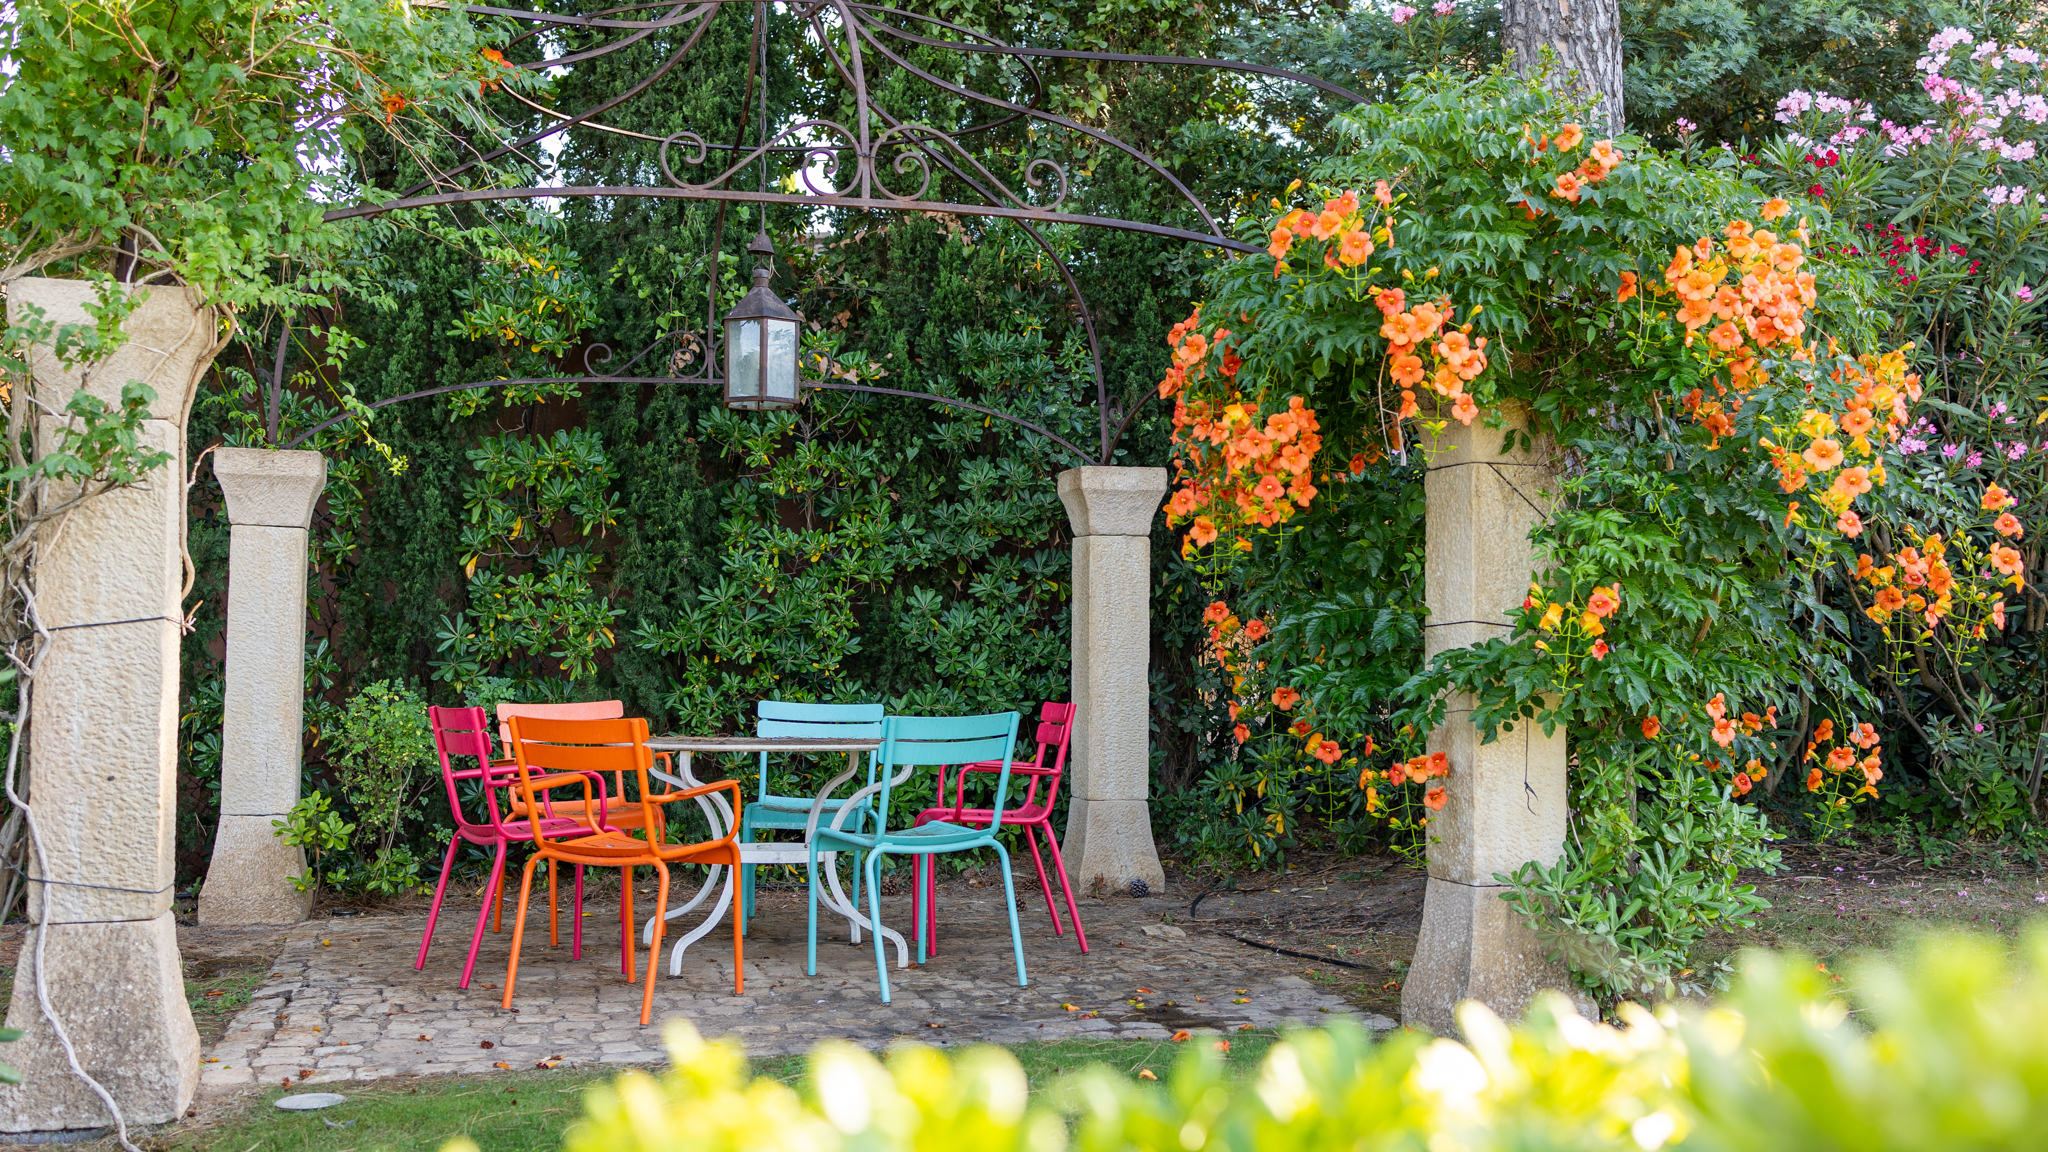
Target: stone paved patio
344,1003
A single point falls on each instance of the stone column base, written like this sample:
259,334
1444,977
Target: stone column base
129,1024
250,880
1474,947
1112,840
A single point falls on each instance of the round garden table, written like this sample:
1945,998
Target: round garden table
719,814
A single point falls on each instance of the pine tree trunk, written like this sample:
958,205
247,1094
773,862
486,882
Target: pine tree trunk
1585,38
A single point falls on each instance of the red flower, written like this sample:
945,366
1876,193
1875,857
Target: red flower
1817,192
1285,698
1435,798
1651,727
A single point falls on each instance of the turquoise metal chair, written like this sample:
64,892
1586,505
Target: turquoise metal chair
910,742
793,813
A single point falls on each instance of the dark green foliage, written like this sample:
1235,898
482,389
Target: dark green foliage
862,548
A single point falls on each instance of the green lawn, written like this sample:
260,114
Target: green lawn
527,1111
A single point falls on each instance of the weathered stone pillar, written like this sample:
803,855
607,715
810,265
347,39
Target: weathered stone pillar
1506,800
270,499
102,745
1109,826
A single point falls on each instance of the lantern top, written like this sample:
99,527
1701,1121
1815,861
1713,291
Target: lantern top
761,302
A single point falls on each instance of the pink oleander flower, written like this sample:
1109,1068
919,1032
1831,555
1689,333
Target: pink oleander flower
1445,7
1794,105
1402,14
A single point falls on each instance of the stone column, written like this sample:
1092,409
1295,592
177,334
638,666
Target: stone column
1109,826
102,750
270,499
1506,800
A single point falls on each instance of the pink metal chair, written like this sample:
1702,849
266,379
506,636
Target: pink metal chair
466,732
1033,813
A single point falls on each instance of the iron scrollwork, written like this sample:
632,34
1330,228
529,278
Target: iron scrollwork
873,159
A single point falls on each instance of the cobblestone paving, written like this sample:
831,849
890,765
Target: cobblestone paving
344,1003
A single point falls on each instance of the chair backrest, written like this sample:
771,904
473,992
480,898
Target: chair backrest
467,732
543,746
1055,734
581,710
818,721
925,740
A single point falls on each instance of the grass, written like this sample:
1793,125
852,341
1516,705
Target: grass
529,1111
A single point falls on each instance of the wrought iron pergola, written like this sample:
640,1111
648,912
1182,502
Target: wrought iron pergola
876,159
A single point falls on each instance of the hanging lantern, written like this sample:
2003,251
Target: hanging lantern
761,343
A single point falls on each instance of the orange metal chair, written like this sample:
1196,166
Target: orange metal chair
550,754
613,809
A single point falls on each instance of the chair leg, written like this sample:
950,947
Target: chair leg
919,871
811,888
860,825
654,954
576,928
1031,839
873,865
498,911
739,950
626,932
494,886
554,914
931,905
519,928
746,871
1010,906
440,890
1060,866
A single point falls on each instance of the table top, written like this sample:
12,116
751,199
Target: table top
760,744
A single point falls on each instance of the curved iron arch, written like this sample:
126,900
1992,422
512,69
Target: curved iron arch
861,27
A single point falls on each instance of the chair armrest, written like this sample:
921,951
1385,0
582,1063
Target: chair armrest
729,815
597,778
548,784
732,786
1017,768
852,803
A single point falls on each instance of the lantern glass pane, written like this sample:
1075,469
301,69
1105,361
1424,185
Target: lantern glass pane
781,361
743,360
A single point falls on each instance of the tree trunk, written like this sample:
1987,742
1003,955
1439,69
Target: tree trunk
1584,36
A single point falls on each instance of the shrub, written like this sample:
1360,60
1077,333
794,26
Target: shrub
377,746
1947,1049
